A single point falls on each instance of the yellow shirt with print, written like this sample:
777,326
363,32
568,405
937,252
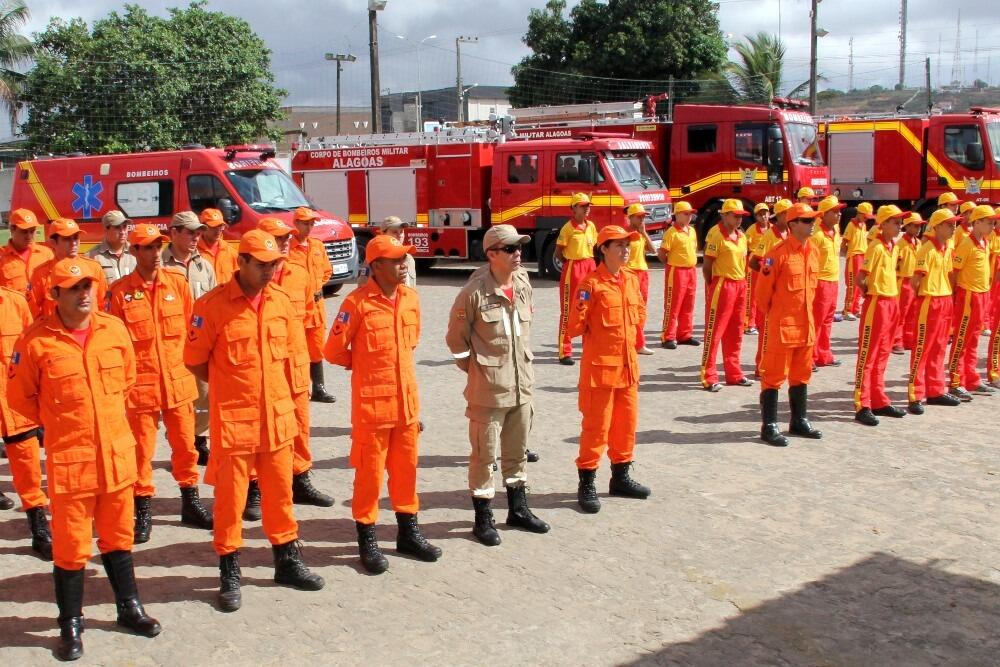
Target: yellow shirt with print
971,262
754,234
857,238
768,240
577,242
637,255
829,253
933,262
729,252
880,265
907,257
681,246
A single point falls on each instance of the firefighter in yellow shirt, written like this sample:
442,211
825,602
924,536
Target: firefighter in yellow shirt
826,237
762,222
855,244
909,243
679,253
638,248
575,249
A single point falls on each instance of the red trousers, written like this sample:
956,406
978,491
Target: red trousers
680,286
574,271
852,297
905,332
26,471
878,321
640,335
968,320
723,326
824,308
931,317
74,519
374,451
609,420
993,353
301,453
179,423
232,477
750,303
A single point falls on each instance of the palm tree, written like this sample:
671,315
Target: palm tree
15,50
757,75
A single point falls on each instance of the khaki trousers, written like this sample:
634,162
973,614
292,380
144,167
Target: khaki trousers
493,432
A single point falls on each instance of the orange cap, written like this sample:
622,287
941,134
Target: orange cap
274,227
146,235
734,206
212,217
385,246
635,209
22,218
305,214
865,209
260,245
63,227
68,272
613,233
684,207
797,211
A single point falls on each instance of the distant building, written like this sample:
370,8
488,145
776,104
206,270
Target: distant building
301,122
399,109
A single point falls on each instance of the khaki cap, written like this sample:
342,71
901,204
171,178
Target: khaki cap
186,220
501,235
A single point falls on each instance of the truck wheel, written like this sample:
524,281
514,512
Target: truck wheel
424,266
706,220
331,290
548,265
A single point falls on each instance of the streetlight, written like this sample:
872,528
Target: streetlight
375,6
340,58
814,33
461,100
462,39
420,90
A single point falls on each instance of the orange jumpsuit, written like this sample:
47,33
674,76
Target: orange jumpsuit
222,256
607,309
15,270
156,316
251,405
21,439
374,338
786,293
312,257
766,241
40,297
78,396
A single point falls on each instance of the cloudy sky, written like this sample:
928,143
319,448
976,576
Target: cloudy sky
299,32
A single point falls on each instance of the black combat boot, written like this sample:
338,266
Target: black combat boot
193,513
304,493
623,485
289,570
251,511
69,599
519,515
798,400
368,549
131,615
769,432
410,541
143,519
230,598
319,393
485,527
586,492
41,538
5,502
201,446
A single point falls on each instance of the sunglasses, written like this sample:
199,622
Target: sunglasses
509,249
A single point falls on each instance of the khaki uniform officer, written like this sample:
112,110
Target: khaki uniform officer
112,253
489,334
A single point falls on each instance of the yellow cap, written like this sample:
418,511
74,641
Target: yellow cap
635,209
579,198
888,212
830,203
865,209
734,206
684,207
912,218
761,207
983,211
806,191
966,206
940,216
947,198
782,205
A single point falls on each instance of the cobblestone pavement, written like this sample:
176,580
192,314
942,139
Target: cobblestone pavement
869,547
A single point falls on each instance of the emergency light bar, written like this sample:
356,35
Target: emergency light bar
265,152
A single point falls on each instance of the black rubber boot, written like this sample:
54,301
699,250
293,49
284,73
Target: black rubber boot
410,541
193,513
121,573
319,393
485,527
41,538
304,493
69,599
368,549
586,492
251,511
230,598
201,446
289,570
5,502
798,402
769,432
623,485
519,515
143,519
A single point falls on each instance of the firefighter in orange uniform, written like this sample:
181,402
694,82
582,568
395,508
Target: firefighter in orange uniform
607,309
64,237
310,254
786,291
71,372
879,317
241,341
775,234
575,249
826,238
762,222
971,262
679,253
855,244
21,256
213,246
299,287
21,440
638,248
909,244
374,336
724,269
155,305
931,313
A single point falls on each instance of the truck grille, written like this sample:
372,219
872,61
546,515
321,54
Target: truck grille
659,213
339,251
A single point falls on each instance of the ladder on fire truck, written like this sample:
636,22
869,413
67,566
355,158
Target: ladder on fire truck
447,135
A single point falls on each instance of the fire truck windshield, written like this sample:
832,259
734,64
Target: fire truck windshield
633,171
803,144
267,189
993,130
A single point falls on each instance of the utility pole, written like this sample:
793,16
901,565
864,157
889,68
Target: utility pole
812,57
375,6
956,64
340,59
902,44
927,76
458,73
850,64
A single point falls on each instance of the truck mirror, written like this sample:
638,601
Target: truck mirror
776,154
230,211
774,132
974,158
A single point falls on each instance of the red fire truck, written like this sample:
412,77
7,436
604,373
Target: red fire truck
910,160
453,183
706,152
244,182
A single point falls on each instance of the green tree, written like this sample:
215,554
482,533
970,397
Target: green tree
757,75
631,47
15,50
139,82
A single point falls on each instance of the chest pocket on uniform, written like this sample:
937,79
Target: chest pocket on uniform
378,331
238,337
796,277
12,270
410,321
611,315
174,322
65,380
112,371
277,338
9,333
140,321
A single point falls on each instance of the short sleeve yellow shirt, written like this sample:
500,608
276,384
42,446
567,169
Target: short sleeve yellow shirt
828,243
729,252
971,262
907,257
934,263
857,238
768,240
577,242
681,245
637,255
880,265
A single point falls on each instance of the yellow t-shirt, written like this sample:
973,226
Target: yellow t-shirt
880,265
577,243
768,240
907,257
637,255
972,263
874,233
935,263
994,241
829,253
961,233
681,246
857,238
729,252
754,234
